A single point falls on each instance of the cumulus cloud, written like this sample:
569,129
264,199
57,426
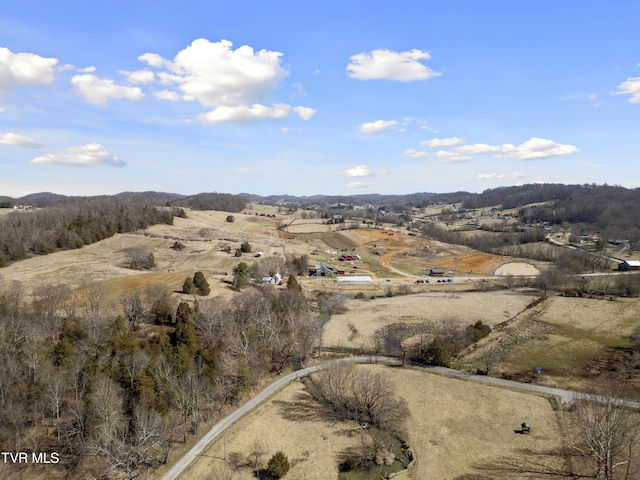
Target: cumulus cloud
24,68
536,148
81,156
390,65
233,83
252,113
447,156
357,171
99,90
443,142
377,126
167,95
630,87
411,153
17,140
140,76
532,149
478,148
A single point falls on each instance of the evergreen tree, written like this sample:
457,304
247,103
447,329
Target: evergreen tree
201,284
188,287
278,465
292,284
241,273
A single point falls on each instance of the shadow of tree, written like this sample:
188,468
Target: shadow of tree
529,464
304,408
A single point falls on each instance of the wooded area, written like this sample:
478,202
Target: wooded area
113,392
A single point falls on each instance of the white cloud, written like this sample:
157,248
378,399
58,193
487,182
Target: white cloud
415,153
140,76
630,87
536,148
452,157
304,113
233,83
443,142
357,171
377,126
99,90
493,176
24,68
478,148
167,95
82,156
387,64
252,113
17,140
357,185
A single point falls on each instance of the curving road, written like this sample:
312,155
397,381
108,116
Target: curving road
565,396
229,420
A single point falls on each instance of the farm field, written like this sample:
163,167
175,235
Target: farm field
456,429
356,327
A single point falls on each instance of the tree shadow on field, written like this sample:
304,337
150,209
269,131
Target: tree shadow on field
304,408
528,464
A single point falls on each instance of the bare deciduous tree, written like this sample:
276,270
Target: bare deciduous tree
608,433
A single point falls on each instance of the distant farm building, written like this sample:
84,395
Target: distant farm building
275,280
629,265
355,279
322,270
436,272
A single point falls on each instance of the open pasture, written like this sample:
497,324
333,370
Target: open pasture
456,429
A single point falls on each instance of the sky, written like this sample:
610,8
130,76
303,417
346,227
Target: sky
326,97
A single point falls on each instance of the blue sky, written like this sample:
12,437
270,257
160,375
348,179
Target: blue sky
317,97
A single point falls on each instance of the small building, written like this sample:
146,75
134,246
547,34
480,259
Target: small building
354,279
436,272
629,265
275,280
323,270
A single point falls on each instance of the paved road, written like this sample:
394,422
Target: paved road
565,396
221,426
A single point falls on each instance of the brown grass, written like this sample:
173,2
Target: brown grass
456,428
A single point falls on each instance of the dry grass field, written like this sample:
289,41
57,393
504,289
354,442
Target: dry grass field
356,327
457,430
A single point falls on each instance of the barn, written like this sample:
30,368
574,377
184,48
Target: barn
629,265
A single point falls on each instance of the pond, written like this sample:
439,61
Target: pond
371,471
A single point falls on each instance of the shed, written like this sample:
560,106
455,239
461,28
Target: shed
436,271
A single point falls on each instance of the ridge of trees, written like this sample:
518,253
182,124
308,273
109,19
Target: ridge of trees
72,226
63,223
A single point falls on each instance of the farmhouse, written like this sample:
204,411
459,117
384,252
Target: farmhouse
629,265
275,280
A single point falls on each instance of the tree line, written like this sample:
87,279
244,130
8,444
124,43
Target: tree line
43,231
